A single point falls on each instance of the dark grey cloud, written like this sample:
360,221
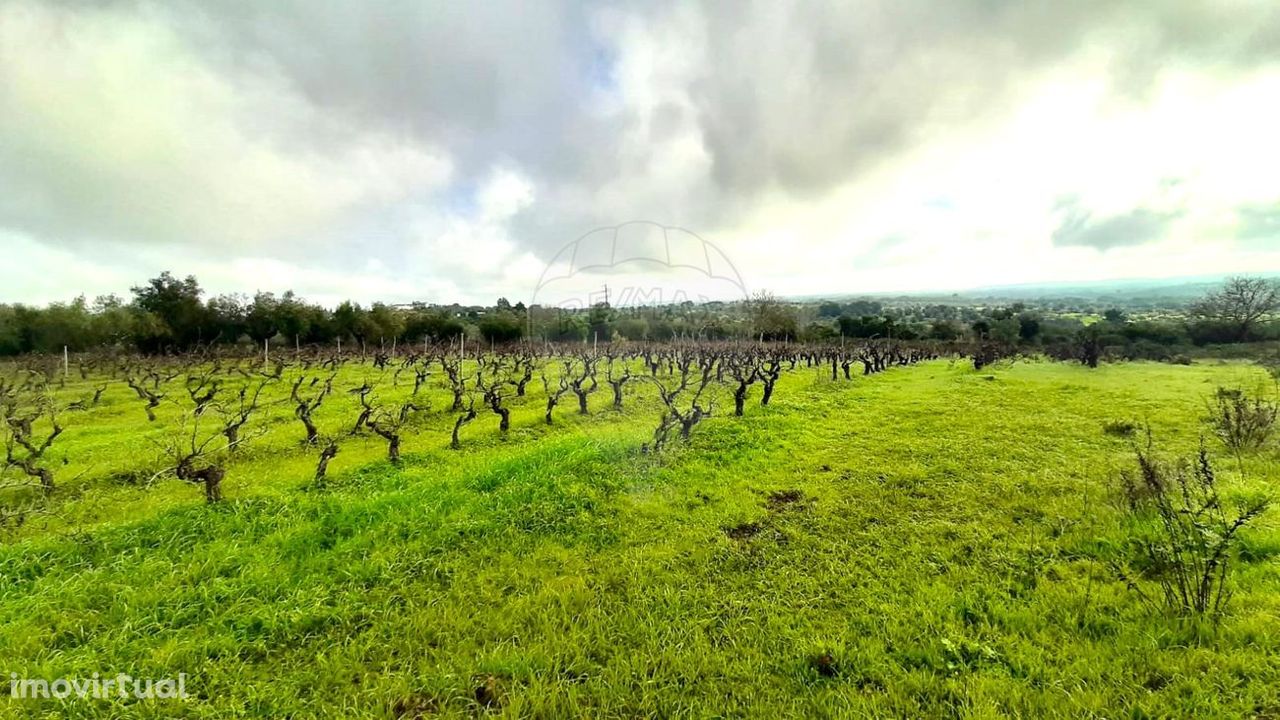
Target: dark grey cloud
743,100
795,97
1080,228
487,80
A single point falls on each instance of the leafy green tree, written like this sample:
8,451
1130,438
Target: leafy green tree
829,309
944,330
175,304
600,321
859,308
501,327
1006,330
151,334
349,321
569,327
293,317
632,327
1155,331
227,318
818,331
262,318
867,326
1028,327
57,326
10,331
384,323
661,328
436,324
111,321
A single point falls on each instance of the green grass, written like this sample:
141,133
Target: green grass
942,536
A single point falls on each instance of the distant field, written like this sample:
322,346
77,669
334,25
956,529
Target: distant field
930,541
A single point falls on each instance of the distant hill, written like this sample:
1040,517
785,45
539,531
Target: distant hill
1146,291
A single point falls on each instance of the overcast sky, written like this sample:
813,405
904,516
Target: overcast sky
449,151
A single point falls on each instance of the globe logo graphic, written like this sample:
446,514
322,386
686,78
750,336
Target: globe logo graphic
635,264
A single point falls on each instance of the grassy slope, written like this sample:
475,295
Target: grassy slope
946,552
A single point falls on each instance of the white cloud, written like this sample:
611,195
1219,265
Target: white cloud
981,206
476,243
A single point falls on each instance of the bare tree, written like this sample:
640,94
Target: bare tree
23,449
210,475
578,380
769,369
617,381
194,459
197,456
492,390
846,362
327,453
387,425
1240,305
420,374
467,415
554,395
366,407
89,402
745,372
151,395
771,318
306,402
234,418
524,361
202,387
457,380
683,398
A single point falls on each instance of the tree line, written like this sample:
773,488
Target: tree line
168,314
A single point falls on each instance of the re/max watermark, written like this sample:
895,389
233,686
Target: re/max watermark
98,687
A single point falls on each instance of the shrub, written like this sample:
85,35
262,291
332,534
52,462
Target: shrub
1119,428
1183,537
1240,421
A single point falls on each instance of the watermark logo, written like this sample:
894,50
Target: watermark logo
98,687
638,264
